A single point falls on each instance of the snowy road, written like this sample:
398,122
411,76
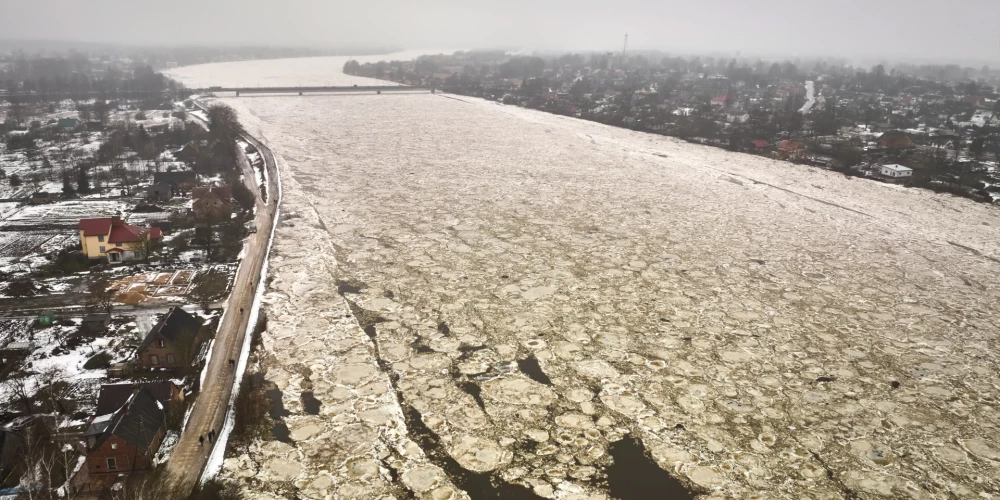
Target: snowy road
189,457
810,98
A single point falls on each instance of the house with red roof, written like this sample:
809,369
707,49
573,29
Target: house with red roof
112,238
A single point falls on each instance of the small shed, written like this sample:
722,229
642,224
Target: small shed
68,123
46,318
95,323
894,171
42,198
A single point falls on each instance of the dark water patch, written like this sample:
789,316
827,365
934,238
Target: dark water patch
530,367
825,379
475,391
280,432
634,474
277,412
443,328
277,407
310,402
348,287
421,347
479,485
388,294
370,331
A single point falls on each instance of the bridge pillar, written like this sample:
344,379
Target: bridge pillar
300,93
237,93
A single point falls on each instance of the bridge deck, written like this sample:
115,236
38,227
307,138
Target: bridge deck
285,90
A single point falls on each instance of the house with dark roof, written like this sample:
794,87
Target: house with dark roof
95,323
112,238
215,201
130,438
114,396
160,192
180,181
42,198
172,343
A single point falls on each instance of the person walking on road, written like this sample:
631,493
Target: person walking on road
211,433
232,364
201,440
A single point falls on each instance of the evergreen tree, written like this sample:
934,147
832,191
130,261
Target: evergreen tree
67,189
82,180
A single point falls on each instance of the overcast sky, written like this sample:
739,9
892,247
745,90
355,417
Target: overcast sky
959,30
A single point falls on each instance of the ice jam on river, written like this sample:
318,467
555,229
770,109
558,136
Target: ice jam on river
474,300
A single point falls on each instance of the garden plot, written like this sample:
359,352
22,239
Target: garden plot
65,214
154,286
7,209
17,244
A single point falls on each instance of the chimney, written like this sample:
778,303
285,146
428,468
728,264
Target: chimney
116,221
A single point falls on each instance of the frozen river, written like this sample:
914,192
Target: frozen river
471,297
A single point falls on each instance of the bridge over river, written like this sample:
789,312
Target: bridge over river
316,90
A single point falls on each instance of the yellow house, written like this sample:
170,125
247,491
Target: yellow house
109,238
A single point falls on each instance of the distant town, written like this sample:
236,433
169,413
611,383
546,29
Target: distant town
934,127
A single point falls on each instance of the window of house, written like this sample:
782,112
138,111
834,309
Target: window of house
170,359
102,249
154,360
112,464
100,238
114,446
159,342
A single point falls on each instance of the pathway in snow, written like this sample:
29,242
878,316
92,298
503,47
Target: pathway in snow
810,98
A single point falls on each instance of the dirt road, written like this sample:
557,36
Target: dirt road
190,456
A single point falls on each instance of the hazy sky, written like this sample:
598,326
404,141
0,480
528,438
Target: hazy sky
959,30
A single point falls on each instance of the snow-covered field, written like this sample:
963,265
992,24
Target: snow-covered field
532,288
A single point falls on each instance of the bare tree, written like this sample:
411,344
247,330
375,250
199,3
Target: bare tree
144,247
19,388
101,294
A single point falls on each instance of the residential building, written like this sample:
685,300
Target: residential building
172,343
130,438
95,323
112,238
114,396
894,171
180,181
68,123
160,192
42,198
215,201
792,150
